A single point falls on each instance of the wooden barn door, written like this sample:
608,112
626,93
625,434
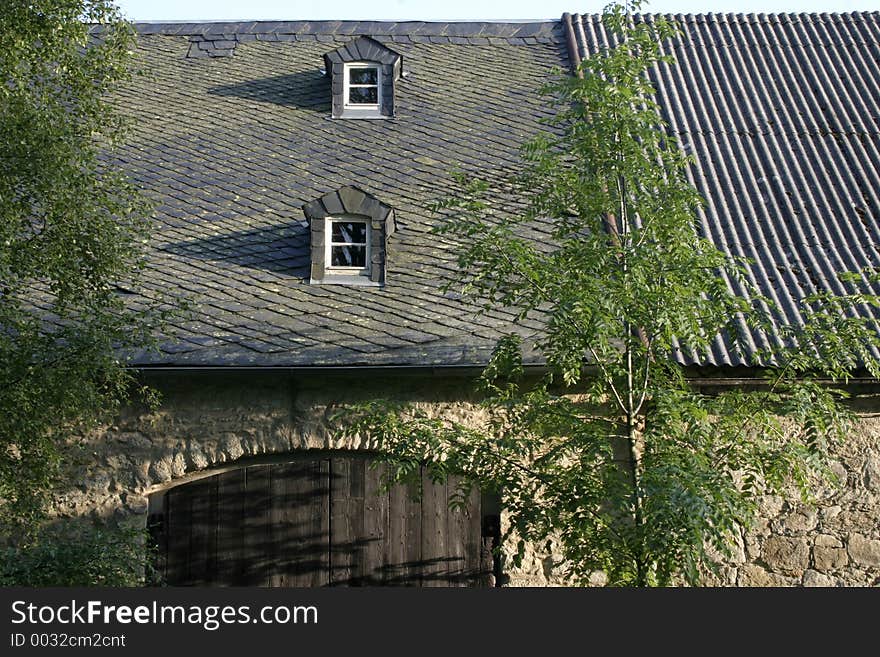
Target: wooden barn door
317,522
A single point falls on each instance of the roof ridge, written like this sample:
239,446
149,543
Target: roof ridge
504,29
738,16
500,28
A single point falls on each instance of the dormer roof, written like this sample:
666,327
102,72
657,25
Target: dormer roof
362,49
359,53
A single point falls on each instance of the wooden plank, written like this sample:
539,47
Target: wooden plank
397,557
282,523
230,528
158,529
375,533
463,539
474,543
212,567
413,515
474,561
299,523
320,525
202,529
256,549
346,520
434,528
178,524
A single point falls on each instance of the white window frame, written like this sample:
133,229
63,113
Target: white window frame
329,268
346,75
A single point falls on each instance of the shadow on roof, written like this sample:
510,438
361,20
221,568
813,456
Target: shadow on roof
282,249
308,90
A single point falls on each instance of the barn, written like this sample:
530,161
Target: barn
292,166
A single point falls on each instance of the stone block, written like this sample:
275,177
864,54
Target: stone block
872,473
830,513
814,579
753,575
863,550
828,553
785,554
802,520
137,504
771,505
160,471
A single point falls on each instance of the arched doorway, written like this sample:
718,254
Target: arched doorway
319,521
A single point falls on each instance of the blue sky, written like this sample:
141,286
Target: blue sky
186,10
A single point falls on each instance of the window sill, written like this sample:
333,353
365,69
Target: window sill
353,113
342,279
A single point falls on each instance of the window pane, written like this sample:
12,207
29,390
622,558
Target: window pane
363,96
349,231
348,256
363,76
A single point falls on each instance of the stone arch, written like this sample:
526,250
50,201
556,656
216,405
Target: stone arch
206,421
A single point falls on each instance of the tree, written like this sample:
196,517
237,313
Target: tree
638,473
72,234
78,554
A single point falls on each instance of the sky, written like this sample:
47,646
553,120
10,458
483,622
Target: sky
198,10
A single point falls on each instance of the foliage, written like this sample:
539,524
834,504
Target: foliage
83,555
637,470
72,232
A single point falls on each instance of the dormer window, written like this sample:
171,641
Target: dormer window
349,229
363,84
363,75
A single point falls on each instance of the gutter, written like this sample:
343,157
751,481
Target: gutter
701,380
432,370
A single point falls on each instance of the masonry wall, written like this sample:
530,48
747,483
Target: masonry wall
211,421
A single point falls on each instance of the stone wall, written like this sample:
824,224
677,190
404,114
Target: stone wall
209,421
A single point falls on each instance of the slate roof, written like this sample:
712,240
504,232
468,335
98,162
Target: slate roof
233,136
782,113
